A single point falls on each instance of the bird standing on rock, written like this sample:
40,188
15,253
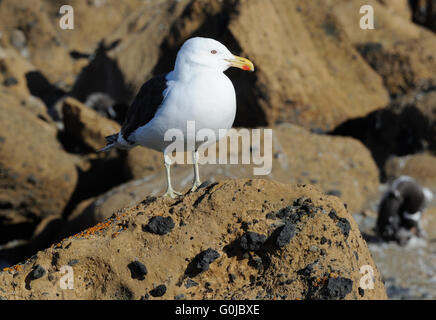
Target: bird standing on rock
196,90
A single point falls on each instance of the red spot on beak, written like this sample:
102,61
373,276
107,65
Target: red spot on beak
246,67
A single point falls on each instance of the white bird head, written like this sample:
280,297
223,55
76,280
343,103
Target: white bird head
209,53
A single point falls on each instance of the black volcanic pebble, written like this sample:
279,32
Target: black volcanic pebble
201,262
204,184
342,223
284,212
190,283
148,200
307,270
73,262
334,192
37,272
11,81
284,234
338,288
205,258
137,269
159,291
159,225
252,241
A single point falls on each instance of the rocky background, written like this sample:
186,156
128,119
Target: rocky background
350,110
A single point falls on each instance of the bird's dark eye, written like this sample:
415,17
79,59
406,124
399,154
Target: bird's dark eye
213,52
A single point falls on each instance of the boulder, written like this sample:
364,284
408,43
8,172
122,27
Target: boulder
37,177
32,28
406,126
398,7
28,28
319,80
86,125
139,38
141,162
301,245
13,70
421,167
28,103
399,50
93,21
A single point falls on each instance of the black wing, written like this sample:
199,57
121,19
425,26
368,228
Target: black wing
145,105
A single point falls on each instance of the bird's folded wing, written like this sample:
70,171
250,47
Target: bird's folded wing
148,100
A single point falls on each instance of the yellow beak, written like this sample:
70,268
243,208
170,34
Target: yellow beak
241,63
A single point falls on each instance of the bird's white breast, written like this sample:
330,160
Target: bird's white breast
207,97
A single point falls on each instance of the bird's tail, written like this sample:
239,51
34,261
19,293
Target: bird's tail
111,142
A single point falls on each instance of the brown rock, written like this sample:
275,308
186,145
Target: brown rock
429,222
398,7
29,103
421,167
399,50
141,35
86,125
313,250
37,177
406,126
141,162
42,45
94,20
32,28
313,90
13,69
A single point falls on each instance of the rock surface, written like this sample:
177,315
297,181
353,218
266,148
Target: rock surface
142,162
323,76
422,167
86,125
135,57
321,261
402,52
28,28
13,70
406,126
37,177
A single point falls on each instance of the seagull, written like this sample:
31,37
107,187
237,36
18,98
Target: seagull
196,90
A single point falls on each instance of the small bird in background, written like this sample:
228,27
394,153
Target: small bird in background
400,210
196,90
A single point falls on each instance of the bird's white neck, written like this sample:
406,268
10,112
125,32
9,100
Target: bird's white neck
184,70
